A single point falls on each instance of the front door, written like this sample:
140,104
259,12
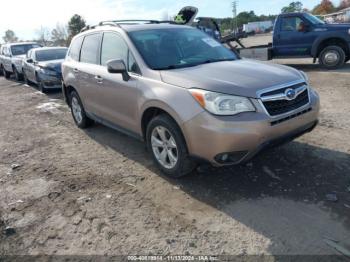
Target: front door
118,98
294,37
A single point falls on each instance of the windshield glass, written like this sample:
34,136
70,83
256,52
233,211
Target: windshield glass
177,48
314,20
22,49
52,54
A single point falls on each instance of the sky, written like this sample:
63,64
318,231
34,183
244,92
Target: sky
30,16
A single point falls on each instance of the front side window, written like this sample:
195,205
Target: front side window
89,50
52,54
74,51
292,24
22,49
113,47
172,48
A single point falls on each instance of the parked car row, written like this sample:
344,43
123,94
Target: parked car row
33,64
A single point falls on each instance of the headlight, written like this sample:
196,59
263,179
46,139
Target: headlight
306,78
222,104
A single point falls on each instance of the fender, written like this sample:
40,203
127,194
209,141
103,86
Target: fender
322,38
161,105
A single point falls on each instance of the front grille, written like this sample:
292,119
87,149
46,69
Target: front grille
279,107
279,121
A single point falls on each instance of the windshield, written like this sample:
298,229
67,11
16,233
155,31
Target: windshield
314,20
52,54
177,48
22,49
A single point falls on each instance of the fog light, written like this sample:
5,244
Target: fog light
230,158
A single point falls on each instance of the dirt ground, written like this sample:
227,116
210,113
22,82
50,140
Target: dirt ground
96,192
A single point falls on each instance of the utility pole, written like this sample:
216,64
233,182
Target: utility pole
234,13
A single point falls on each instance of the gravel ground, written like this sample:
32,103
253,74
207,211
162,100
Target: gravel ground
96,192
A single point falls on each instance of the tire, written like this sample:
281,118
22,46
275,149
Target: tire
1,71
6,74
332,57
172,133
18,75
83,121
25,79
42,87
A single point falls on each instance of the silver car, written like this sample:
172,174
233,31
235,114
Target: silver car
12,56
187,96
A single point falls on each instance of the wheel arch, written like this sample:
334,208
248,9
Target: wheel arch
323,42
154,109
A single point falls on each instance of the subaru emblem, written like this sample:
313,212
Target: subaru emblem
290,94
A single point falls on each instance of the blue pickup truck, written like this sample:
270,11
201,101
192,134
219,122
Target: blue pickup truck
300,35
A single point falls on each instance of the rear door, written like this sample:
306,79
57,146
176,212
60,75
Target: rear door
85,72
291,40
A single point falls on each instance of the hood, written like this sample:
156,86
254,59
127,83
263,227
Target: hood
336,27
54,65
21,57
242,77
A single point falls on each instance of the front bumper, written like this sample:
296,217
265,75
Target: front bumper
51,82
210,137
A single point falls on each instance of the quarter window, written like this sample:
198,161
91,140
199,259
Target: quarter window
89,50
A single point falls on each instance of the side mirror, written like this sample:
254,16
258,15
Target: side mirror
30,61
118,67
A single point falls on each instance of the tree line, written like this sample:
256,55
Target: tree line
62,35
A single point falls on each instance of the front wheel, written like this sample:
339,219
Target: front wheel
168,148
78,111
332,57
6,74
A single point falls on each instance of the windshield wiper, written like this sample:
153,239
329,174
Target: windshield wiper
217,60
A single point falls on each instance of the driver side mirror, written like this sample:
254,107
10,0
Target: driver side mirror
30,61
118,67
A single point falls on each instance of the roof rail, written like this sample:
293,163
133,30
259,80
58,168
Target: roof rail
128,21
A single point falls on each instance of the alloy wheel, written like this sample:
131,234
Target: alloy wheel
164,147
76,109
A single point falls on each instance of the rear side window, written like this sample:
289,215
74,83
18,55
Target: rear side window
74,51
90,49
113,47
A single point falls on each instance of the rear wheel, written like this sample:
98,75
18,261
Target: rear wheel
332,57
18,75
1,71
78,111
168,148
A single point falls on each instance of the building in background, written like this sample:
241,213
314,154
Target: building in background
342,16
258,27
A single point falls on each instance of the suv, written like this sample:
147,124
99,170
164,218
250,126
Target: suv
187,96
12,56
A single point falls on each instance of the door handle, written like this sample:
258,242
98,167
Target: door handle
76,70
99,79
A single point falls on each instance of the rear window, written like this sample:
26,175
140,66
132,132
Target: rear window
74,51
90,49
